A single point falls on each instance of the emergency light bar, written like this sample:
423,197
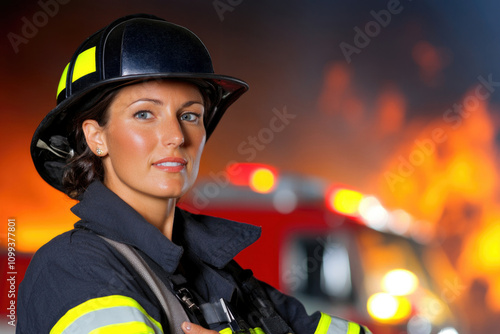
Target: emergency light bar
261,178
344,201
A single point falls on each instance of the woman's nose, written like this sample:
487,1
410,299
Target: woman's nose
171,132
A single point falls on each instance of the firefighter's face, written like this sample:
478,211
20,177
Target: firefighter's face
153,141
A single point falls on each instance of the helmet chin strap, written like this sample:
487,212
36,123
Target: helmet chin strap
55,150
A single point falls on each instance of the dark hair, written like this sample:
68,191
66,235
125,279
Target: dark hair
84,167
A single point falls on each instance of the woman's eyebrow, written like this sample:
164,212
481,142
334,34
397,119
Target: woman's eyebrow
190,103
145,99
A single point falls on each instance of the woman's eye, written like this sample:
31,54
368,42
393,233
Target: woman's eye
190,117
143,114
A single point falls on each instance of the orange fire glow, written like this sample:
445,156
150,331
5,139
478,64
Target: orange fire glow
451,182
391,107
40,212
443,171
337,96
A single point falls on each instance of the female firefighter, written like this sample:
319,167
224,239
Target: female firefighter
135,105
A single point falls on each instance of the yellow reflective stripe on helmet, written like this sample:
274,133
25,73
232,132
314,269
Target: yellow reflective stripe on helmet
105,312
62,81
84,64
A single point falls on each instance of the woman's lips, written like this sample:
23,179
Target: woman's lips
171,164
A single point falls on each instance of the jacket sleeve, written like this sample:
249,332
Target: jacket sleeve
78,285
294,313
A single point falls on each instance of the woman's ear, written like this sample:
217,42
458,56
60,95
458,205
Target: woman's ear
94,135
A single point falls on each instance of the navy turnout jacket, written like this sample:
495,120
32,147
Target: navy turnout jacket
78,283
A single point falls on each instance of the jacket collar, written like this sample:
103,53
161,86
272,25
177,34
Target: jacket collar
215,241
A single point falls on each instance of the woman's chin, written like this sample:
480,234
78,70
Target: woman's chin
170,191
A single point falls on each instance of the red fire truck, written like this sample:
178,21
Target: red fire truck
334,248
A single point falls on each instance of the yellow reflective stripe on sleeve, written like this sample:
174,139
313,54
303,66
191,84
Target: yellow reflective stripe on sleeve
84,64
256,330
324,324
333,325
104,311
134,327
353,328
62,81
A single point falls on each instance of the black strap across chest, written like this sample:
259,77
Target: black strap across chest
177,299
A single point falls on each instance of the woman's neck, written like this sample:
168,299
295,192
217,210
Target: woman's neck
159,214
158,211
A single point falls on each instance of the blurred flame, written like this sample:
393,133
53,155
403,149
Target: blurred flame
429,174
446,173
480,257
391,108
431,61
442,172
489,247
337,96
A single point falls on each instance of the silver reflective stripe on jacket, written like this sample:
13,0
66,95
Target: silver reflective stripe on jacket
110,317
108,314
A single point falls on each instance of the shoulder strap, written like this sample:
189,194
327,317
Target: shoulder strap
169,302
271,321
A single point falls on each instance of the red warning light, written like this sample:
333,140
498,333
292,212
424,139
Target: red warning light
259,177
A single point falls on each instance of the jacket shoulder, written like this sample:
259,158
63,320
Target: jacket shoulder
71,269
74,249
